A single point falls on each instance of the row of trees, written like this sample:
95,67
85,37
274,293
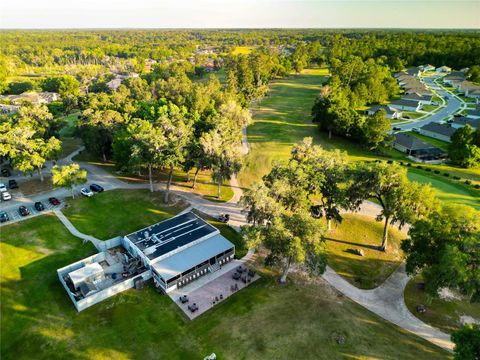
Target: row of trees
284,210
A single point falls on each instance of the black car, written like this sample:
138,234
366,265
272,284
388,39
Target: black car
4,217
96,188
396,128
22,210
6,172
12,184
39,206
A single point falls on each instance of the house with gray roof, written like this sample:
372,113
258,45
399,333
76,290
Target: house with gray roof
438,131
463,121
417,148
423,99
406,105
391,113
473,114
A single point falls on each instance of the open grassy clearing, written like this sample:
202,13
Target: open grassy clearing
69,145
205,184
33,186
71,121
363,232
264,321
444,314
244,50
447,191
119,212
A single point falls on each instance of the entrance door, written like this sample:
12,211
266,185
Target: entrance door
212,261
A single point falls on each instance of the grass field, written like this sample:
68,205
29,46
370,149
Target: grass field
438,143
71,121
264,321
119,212
446,191
245,50
362,232
441,313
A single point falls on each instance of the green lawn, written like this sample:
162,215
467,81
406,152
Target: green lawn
441,313
446,191
71,121
264,321
119,212
363,232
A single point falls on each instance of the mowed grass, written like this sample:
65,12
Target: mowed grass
444,314
119,212
265,321
447,191
363,233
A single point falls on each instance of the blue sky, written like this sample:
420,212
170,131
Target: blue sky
239,13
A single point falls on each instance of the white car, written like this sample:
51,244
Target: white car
86,192
3,187
6,196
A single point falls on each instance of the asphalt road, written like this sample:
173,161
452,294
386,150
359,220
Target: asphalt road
454,104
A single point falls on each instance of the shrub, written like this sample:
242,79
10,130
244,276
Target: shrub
456,177
446,174
428,169
477,186
468,182
436,171
389,162
409,164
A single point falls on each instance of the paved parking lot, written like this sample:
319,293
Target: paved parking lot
14,215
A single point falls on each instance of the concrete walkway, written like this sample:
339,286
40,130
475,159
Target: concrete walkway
73,230
387,301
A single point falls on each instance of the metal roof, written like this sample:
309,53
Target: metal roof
168,235
192,256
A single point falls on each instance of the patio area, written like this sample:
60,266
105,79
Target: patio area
212,289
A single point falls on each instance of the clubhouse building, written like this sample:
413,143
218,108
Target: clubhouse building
174,252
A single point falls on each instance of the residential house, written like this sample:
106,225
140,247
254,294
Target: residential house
454,77
438,131
391,113
443,69
417,148
35,98
463,121
473,114
423,99
405,105
8,109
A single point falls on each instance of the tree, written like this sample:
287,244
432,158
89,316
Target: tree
445,247
291,238
325,173
463,149
467,342
97,130
402,201
375,129
68,176
146,145
177,132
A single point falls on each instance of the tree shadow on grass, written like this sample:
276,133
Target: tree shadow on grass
372,247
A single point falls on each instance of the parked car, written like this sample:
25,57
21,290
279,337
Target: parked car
22,210
39,206
396,128
6,196
3,187
54,201
12,184
96,188
415,130
6,172
4,217
86,192
457,115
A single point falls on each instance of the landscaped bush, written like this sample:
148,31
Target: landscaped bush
446,174
409,164
477,186
436,171
456,177
468,182
428,169
390,162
